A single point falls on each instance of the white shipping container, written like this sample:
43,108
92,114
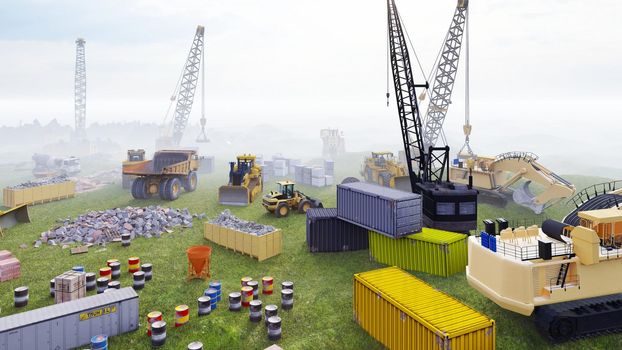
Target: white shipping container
317,172
329,180
318,181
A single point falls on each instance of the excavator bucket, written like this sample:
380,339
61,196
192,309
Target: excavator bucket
14,216
522,195
402,183
233,195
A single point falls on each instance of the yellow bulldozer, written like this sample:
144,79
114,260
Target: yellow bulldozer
245,182
287,198
13,216
383,169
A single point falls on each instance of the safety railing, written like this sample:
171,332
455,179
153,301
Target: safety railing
521,252
571,281
594,191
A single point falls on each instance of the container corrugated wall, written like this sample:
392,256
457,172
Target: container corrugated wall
382,209
327,233
436,252
403,312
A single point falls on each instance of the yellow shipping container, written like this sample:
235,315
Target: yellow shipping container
13,197
260,247
403,312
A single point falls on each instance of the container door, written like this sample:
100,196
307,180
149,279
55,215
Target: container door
43,336
130,307
71,331
56,334
84,330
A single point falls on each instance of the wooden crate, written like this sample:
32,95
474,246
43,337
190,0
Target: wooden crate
36,195
260,247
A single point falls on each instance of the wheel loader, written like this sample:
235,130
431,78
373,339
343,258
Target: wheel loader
383,169
281,202
165,175
245,182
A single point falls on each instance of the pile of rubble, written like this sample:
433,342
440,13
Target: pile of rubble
226,219
40,182
97,227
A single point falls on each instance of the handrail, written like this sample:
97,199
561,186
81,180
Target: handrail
529,252
594,191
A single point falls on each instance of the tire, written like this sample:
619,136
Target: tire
304,205
138,188
318,204
385,179
173,189
190,182
144,188
282,210
349,180
562,329
162,189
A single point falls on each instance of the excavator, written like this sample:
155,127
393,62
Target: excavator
568,276
446,205
496,177
245,182
383,169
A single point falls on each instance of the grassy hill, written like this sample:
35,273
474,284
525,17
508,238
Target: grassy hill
322,315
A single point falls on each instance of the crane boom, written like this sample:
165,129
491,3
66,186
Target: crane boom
445,76
80,90
188,86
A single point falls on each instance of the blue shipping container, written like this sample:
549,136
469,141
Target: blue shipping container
382,209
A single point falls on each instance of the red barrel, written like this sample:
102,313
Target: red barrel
182,315
105,272
247,296
134,264
110,261
266,285
152,317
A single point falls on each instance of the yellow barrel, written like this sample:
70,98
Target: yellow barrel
267,284
182,315
247,296
134,264
244,281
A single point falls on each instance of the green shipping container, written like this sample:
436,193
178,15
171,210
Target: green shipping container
432,251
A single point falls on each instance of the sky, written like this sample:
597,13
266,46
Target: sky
545,75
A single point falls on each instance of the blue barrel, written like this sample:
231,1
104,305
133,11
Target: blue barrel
99,342
78,268
216,285
213,295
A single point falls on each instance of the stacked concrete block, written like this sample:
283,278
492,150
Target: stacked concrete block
329,179
318,178
69,286
307,175
267,170
298,170
291,166
329,167
10,267
280,168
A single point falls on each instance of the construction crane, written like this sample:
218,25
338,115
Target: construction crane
80,90
184,96
444,77
446,206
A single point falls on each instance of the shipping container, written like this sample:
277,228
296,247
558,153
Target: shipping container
403,312
13,197
260,247
318,181
436,252
72,324
382,209
327,233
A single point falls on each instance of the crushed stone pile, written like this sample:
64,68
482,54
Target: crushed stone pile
228,220
40,182
99,227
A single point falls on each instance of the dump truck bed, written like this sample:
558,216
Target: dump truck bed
163,163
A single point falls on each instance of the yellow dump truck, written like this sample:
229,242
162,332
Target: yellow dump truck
165,175
245,182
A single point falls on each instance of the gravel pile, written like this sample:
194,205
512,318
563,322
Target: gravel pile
99,227
231,221
40,182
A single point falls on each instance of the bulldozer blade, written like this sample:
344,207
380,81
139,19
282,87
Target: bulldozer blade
14,216
522,196
233,195
402,183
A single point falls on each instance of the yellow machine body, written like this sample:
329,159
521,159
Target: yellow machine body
245,182
384,169
281,202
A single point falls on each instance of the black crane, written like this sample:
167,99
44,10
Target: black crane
446,206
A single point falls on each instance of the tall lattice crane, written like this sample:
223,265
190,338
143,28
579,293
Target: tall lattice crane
445,205
184,95
444,77
80,90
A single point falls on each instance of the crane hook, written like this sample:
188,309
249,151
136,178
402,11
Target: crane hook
388,99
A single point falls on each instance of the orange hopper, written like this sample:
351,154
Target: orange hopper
199,257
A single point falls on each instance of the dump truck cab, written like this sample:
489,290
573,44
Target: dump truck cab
287,198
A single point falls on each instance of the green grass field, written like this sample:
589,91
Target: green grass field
322,315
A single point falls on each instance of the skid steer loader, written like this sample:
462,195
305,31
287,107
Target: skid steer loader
286,198
245,182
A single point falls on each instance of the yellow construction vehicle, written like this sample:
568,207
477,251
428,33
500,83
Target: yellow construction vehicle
13,216
287,198
496,176
569,276
245,182
383,169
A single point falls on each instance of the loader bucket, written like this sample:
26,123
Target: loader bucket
233,195
14,216
523,196
402,183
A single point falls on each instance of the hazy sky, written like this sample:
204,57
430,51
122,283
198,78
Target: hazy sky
540,70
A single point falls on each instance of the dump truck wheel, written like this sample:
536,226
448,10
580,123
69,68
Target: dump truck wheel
304,205
173,189
139,190
282,210
133,189
162,189
144,189
190,183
